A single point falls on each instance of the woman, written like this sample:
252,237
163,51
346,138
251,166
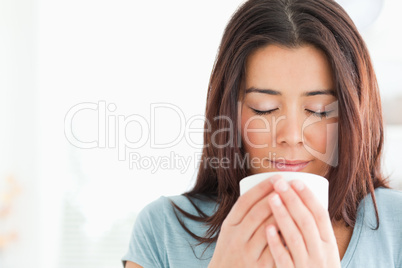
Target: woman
295,80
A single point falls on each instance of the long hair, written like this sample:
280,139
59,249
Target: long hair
292,23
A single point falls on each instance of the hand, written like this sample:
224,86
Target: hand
242,240
306,227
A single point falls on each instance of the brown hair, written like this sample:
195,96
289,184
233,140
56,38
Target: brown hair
293,23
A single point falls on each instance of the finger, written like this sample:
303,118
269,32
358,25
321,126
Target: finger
320,214
280,254
254,218
266,259
282,239
301,215
289,230
258,240
247,201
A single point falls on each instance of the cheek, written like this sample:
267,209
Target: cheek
255,131
321,136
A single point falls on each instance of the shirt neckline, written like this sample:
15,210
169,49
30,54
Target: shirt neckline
347,257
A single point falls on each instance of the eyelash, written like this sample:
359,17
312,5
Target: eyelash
263,112
320,115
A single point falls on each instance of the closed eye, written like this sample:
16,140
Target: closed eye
263,112
319,114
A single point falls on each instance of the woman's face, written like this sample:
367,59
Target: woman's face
289,113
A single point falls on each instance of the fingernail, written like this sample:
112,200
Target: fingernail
276,200
282,186
271,231
298,185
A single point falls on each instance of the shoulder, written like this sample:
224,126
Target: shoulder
388,195
384,197
190,205
162,208
158,236
378,247
146,246
155,213
150,219
389,200
152,210
388,205
171,228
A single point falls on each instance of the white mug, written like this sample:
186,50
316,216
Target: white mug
317,184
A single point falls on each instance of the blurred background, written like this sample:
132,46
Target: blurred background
79,153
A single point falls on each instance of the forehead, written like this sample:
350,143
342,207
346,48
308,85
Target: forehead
288,69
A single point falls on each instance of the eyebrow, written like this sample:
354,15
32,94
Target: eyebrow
278,93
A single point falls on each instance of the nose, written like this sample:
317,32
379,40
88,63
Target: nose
289,130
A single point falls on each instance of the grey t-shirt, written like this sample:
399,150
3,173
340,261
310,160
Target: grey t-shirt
158,239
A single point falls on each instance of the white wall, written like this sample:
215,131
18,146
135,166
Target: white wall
18,125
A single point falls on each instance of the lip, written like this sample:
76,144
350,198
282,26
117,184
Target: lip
290,165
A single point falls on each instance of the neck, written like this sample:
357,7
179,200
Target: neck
343,234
